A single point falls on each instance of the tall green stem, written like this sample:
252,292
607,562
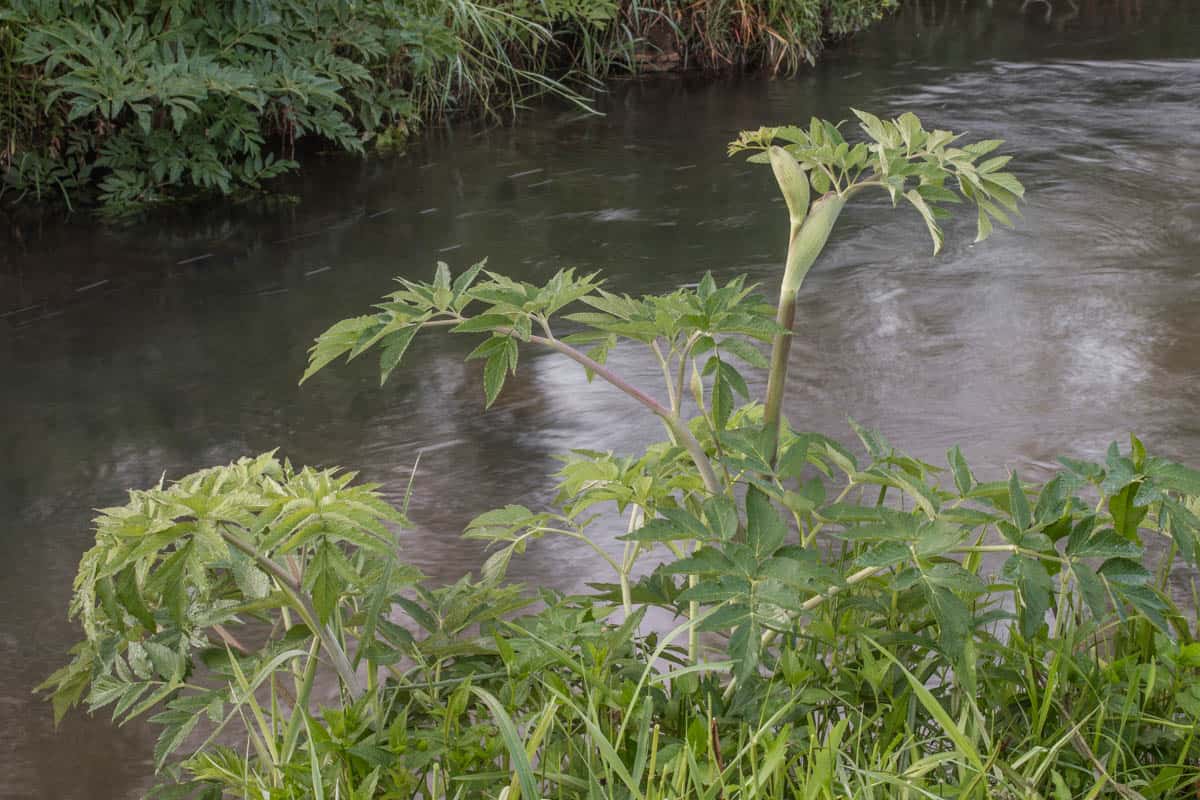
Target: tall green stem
805,244
300,707
627,562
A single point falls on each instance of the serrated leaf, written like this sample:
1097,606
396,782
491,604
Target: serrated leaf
499,520
675,524
967,517
745,351
168,581
495,370
1018,503
920,492
765,529
1034,589
463,282
338,339
744,648
1081,531
1105,543
878,447
252,581
1175,477
982,148
704,560
1185,530
935,231
953,619
953,576
734,378
724,617
323,582
1006,181
393,348
1125,572
963,479
1119,471
131,598
1148,604
1091,589
419,614
1053,499
171,738
984,226
716,590
937,537
873,126
721,400
884,554
800,574
1127,516
169,664
845,513
495,566
1085,469
721,517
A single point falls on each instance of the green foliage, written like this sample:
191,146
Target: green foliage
176,564
172,94
839,628
781,35
131,103
159,96
899,153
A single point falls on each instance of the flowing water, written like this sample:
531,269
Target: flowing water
175,342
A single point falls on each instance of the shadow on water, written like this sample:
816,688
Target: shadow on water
175,342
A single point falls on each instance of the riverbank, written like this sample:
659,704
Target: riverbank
123,110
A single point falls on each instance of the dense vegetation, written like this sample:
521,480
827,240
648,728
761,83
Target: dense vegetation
787,619
127,102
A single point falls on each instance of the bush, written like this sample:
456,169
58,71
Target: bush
130,102
144,97
835,630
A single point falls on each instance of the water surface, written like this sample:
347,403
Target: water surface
176,342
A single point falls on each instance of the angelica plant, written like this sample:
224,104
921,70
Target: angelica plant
853,629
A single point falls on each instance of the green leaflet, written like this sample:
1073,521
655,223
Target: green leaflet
793,184
765,530
963,479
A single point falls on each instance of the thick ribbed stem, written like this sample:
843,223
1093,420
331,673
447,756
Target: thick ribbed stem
805,244
781,349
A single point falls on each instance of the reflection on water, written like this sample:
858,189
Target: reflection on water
176,342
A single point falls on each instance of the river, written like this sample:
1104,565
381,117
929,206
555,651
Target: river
175,341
